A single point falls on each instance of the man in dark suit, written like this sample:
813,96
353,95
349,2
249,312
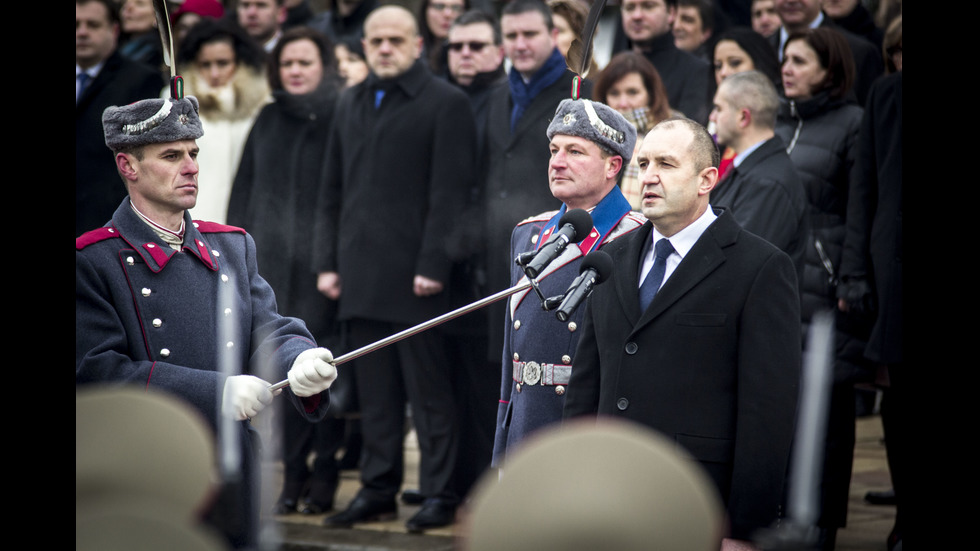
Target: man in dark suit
762,190
400,160
103,78
646,28
713,359
516,141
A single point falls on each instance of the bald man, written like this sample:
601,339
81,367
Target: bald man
401,158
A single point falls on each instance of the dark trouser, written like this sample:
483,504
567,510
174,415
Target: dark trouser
300,437
893,422
415,369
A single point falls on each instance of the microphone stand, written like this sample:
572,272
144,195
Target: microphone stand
420,327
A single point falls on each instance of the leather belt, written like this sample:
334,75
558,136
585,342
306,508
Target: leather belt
534,373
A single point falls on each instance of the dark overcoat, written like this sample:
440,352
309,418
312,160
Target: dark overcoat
98,188
713,363
274,199
873,247
766,197
394,178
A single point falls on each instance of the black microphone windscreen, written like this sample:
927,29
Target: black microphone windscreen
601,262
580,220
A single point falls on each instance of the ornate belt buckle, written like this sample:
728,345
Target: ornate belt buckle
532,373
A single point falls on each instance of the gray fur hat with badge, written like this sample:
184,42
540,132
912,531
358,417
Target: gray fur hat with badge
151,121
596,122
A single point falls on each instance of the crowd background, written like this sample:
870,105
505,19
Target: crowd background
266,133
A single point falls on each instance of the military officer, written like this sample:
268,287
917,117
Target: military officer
590,144
147,288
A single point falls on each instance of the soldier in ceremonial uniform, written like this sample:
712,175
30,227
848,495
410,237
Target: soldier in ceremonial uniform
590,145
147,288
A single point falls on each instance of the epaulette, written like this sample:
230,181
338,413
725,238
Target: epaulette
637,217
214,227
94,236
543,217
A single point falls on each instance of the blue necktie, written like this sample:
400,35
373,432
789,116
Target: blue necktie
378,94
656,276
83,79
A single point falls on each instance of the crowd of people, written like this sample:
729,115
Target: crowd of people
389,166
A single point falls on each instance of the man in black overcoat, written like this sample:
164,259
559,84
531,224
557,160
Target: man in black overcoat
399,162
713,360
110,79
762,190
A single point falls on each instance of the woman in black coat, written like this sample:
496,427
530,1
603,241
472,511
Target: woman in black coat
274,198
819,125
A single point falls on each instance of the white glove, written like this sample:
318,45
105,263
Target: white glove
312,372
244,396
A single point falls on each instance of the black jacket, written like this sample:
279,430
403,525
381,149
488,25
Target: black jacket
766,197
98,189
873,248
274,199
713,363
394,178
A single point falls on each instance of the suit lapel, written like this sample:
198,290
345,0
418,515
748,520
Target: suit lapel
703,259
628,285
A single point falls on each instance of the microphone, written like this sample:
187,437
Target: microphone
596,268
574,226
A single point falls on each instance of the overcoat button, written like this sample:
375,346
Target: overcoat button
622,404
559,390
517,357
157,322
146,291
518,387
566,359
631,348
572,326
130,260
165,352
517,324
